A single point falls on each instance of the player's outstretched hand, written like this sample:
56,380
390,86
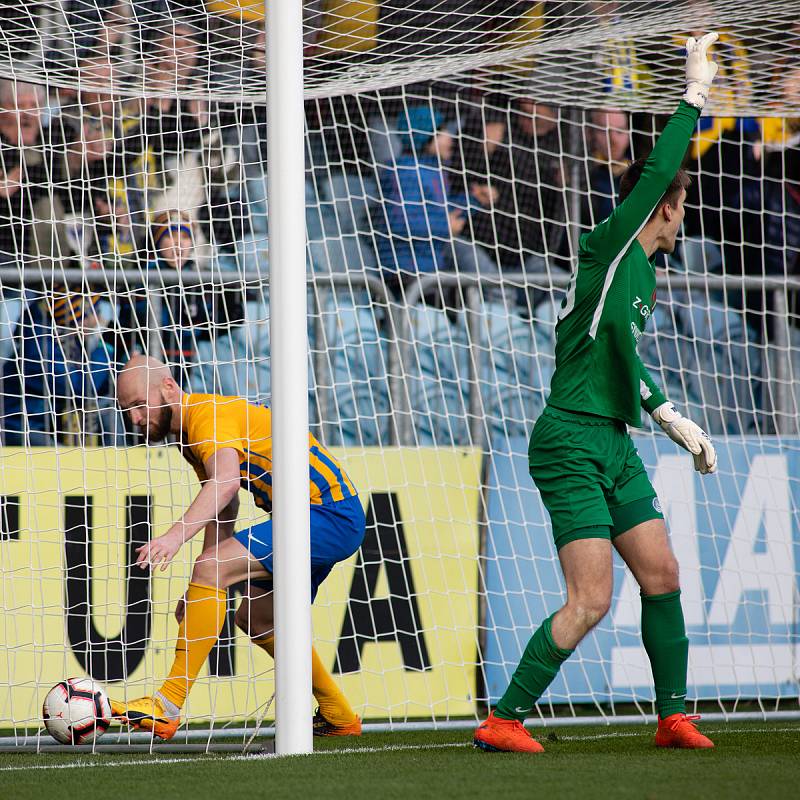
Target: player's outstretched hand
689,435
700,70
159,551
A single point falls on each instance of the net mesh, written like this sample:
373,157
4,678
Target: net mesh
455,152
566,53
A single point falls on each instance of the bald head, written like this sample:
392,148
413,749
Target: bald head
20,112
143,371
12,93
152,399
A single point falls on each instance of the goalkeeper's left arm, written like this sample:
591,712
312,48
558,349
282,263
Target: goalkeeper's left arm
700,72
689,435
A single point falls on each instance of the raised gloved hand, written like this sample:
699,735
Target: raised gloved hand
700,70
689,435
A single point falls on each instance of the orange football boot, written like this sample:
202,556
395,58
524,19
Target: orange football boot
147,714
321,727
498,735
678,730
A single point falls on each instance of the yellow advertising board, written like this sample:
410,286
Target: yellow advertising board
397,622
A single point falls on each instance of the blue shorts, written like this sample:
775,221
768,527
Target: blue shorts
337,530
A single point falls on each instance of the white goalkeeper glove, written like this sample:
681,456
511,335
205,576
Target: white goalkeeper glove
689,435
700,71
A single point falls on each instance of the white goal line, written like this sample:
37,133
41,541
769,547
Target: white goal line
352,750
123,739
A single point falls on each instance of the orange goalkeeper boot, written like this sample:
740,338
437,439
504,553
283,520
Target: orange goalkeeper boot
498,735
321,727
147,714
679,730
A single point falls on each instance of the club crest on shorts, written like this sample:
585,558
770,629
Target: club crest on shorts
657,505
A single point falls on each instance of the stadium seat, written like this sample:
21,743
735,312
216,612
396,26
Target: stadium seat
385,144
10,313
337,222
517,358
358,409
694,340
349,193
437,374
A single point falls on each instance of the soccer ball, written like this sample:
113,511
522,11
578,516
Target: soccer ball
76,711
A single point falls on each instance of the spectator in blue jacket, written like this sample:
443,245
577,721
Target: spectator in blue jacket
423,218
60,380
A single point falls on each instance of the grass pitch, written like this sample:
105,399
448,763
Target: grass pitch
759,760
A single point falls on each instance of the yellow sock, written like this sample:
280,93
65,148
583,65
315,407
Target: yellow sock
332,703
199,631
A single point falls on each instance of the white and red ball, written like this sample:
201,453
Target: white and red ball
76,711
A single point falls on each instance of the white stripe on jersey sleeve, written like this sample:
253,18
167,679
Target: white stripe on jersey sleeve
570,298
612,270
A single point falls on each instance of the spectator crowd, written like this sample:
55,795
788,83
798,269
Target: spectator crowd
451,206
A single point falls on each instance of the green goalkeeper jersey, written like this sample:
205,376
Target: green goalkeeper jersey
612,295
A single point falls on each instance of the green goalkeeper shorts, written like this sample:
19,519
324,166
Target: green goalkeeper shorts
591,479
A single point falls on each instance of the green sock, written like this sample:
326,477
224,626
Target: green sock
664,638
539,664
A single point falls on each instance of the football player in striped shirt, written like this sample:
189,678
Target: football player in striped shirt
228,442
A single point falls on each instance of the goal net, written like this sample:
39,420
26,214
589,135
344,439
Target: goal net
455,153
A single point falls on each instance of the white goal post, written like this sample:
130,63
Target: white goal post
402,309
289,355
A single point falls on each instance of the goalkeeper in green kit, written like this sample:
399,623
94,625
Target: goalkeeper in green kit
583,460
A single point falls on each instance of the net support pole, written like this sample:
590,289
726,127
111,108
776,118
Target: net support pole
289,359
785,420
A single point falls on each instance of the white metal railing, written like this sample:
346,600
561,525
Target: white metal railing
395,331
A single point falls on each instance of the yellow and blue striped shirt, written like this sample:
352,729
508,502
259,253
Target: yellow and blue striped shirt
213,422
